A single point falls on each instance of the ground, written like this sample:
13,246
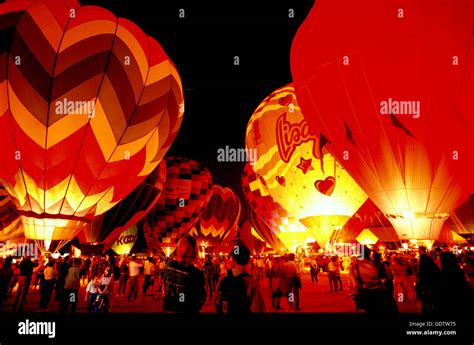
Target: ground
315,297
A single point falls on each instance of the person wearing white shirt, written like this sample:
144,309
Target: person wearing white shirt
134,271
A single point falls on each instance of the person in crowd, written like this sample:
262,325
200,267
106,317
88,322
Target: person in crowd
208,270
388,272
48,285
62,267
456,296
338,273
38,273
6,277
428,283
400,280
313,269
24,281
105,290
184,286
91,294
368,292
133,274
217,272
260,265
149,271
72,284
83,272
280,287
292,274
161,269
333,267
15,279
123,277
239,292
351,267
269,270
87,268
437,256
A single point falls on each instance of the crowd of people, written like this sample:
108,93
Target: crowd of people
438,279
377,283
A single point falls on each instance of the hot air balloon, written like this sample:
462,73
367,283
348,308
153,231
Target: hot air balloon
188,189
124,243
105,230
10,221
266,233
217,220
307,182
252,240
369,217
89,109
462,219
389,85
289,231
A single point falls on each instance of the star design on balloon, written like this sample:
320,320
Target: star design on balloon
305,165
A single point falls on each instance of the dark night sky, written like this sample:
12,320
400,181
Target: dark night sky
219,96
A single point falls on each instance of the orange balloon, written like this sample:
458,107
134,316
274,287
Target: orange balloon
85,116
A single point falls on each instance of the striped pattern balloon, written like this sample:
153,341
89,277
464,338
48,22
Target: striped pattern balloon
109,226
89,108
266,233
219,217
188,189
10,221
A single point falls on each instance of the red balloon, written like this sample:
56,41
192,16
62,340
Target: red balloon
188,189
266,232
218,219
389,84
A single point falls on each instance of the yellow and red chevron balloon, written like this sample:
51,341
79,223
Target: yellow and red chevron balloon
89,106
218,219
188,189
10,222
108,227
289,230
296,171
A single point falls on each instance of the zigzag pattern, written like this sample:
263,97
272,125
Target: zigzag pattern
87,101
220,216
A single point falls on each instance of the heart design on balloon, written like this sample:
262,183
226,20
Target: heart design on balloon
281,180
326,186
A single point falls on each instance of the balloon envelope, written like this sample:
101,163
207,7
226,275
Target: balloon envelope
289,231
219,217
390,84
188,189
306,182
107,228
90,107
